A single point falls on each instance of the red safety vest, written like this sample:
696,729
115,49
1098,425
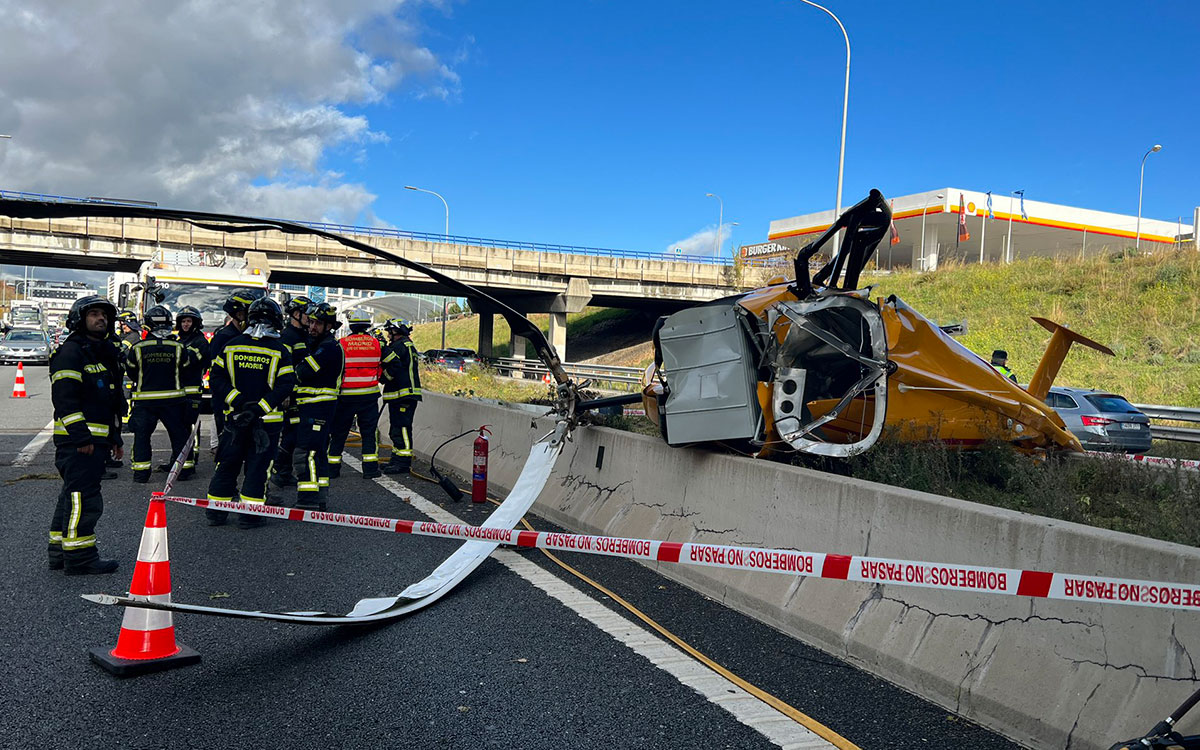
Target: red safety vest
362,372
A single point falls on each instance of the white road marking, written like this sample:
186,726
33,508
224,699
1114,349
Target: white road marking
775,726
30,451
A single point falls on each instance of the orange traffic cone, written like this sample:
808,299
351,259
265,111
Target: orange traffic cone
147,639
547,379
19,383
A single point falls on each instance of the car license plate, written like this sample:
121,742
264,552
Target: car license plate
1130,426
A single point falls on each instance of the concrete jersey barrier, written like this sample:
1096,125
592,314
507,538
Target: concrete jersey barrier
1046,673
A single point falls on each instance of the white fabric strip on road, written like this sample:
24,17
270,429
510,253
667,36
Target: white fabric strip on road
30,451
747,709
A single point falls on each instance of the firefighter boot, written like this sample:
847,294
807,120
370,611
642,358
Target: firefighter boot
95,567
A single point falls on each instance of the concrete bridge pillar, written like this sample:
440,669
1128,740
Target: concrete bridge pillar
558,334
486,329
516,348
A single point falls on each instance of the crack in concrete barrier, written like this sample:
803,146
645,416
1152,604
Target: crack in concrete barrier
575,482
1078,716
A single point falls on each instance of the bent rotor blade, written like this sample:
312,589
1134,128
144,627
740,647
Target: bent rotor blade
421,594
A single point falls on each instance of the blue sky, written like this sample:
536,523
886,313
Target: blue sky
605,123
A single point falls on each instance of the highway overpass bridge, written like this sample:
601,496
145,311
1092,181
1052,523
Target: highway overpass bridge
532,278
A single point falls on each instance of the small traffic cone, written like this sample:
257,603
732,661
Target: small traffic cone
19,383
147,639
547,379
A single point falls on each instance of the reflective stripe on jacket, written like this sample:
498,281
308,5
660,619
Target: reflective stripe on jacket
156,367
401,373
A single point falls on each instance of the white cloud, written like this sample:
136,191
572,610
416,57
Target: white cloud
218,106
703,242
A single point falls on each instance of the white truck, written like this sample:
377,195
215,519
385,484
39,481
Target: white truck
25,315
177,286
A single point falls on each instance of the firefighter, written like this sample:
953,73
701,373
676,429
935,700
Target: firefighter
189,331
318,378
401,392
130,334
158,366
259,365
295,337
88,403
236,306
359,396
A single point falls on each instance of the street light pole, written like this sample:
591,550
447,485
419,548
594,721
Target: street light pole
3,283
1008,243
720,221
940,196
1141,178
443,200
845,104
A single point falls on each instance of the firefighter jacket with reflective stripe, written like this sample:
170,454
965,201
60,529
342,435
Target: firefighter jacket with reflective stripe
87,396
156,367
401,375
362,371
197,345
319,372
218,381
259,373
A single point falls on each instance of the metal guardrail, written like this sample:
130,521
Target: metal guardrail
532,368
1172,414
426,236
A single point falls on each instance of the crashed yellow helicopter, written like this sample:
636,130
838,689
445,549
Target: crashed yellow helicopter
815,366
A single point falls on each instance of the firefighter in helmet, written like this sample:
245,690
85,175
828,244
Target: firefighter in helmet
358,398
259,366
318,378
236,306
158,366
401,392
88,404
189,331
295,338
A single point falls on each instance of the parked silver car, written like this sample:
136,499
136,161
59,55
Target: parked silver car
1102,421
25,345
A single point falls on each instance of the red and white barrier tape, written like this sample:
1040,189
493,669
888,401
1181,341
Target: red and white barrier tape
947,577
1169,463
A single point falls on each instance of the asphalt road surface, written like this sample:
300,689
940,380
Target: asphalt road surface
521,654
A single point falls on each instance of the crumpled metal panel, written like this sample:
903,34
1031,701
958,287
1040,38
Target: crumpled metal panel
710,371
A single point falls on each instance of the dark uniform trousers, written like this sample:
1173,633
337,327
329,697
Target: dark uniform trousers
192,413
235,452
287,443
73,527
312,452
173,413
400,414
365,408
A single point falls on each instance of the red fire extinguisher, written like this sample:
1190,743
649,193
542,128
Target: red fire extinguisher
479,467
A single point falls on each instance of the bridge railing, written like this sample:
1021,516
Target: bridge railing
427,236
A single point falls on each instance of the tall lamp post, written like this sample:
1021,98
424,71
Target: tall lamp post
443,200
845,104
720,221
940,196
447,236
1141,178
732,224
4,284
